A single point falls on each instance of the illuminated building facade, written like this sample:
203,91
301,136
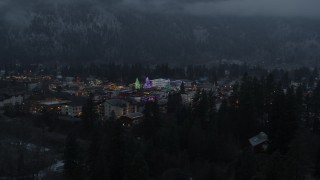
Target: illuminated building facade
160,83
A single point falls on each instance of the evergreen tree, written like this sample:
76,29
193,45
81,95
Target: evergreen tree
138,169
116,149
308,102
292,115
93,154
211,105
72,163
296,160
21,164
174,102
245,167
285,80
170,103
275,167
315,104
269,91
201,106
182,88
196,142
89,114
247,124
190,72
151,120
107,155
276,120
317,165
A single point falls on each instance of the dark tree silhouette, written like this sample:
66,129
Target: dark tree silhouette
72,163
89,113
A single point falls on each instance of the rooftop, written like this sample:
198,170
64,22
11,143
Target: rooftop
53,102
134,115
77,101
117,102
258,139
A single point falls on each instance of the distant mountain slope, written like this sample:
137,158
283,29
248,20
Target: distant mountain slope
80,33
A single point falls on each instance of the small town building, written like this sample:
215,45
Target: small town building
187,98
10,100
74,108
53,105
131,119
160,83
119,107
122,107
260,142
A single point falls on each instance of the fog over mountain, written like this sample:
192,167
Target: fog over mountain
272,8
181,31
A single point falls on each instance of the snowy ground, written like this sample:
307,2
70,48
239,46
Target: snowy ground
56,168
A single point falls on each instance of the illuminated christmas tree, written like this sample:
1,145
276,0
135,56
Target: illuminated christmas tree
147,85
168,86
137,84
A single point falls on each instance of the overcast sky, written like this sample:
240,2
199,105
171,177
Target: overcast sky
281,8
16,10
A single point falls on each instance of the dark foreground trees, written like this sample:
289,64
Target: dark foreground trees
208,139
72,159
